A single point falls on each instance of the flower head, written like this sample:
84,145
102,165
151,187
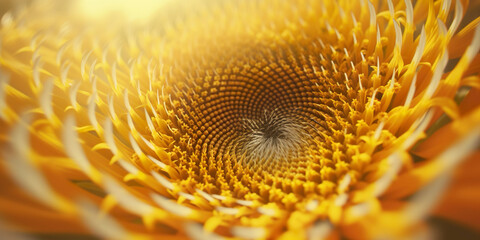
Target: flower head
238,119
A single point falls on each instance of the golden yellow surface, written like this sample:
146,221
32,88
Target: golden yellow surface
238,119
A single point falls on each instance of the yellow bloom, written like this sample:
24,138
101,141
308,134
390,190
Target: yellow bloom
240,119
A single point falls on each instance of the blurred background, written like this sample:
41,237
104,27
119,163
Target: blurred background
137,10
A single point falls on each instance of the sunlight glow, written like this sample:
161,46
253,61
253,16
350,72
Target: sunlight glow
131,10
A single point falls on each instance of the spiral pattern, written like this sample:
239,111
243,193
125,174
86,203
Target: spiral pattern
248,119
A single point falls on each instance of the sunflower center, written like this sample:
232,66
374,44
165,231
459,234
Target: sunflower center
273,120
267,120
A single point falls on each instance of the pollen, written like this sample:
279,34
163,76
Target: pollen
271,138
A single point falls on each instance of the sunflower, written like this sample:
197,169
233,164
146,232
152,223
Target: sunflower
240,119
